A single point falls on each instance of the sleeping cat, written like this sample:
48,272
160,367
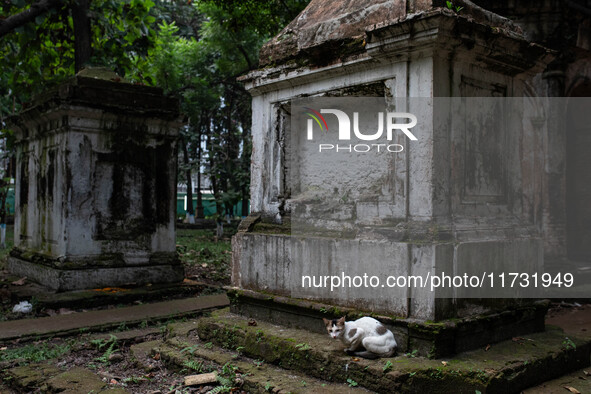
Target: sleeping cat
365,337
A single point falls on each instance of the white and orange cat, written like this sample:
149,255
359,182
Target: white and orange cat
365,337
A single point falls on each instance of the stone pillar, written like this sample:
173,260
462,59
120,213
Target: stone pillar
96,186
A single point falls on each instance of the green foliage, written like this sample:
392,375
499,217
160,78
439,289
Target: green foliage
196,366
226,379
568,343
134,380
190,349
40,54
303,346
352,383
199,62
193,50
388,366
35,352
453,7
109,344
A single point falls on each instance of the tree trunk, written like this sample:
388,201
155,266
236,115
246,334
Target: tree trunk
214,184
12,22
82,34
200,213
190,209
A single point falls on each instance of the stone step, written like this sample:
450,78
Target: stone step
425,338
46,298
183,346
50,379
102,320
578,380
505,367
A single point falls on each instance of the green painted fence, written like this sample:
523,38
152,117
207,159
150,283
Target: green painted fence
208,202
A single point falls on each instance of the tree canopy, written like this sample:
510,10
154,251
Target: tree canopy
192,49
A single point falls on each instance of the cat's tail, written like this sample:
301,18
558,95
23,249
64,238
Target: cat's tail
366,354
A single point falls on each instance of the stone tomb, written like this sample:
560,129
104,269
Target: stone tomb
455,198
96,186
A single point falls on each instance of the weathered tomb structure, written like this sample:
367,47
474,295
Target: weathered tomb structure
561,212
458,198
96,185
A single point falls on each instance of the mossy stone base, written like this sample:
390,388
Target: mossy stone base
506,367
429,339
94,277
53,380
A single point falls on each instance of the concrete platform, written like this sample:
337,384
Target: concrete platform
104,319
425,338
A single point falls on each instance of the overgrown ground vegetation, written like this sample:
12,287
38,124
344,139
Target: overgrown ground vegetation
205,258
114,361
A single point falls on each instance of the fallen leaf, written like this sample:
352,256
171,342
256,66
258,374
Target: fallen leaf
444,363
204,265
487,348
355,359
156,356
572,389
110,290
20,282
113,381
3,348
587,373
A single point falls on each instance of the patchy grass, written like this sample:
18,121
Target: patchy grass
205,259
36,352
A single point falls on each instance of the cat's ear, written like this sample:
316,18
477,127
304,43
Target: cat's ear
341,320
326,321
